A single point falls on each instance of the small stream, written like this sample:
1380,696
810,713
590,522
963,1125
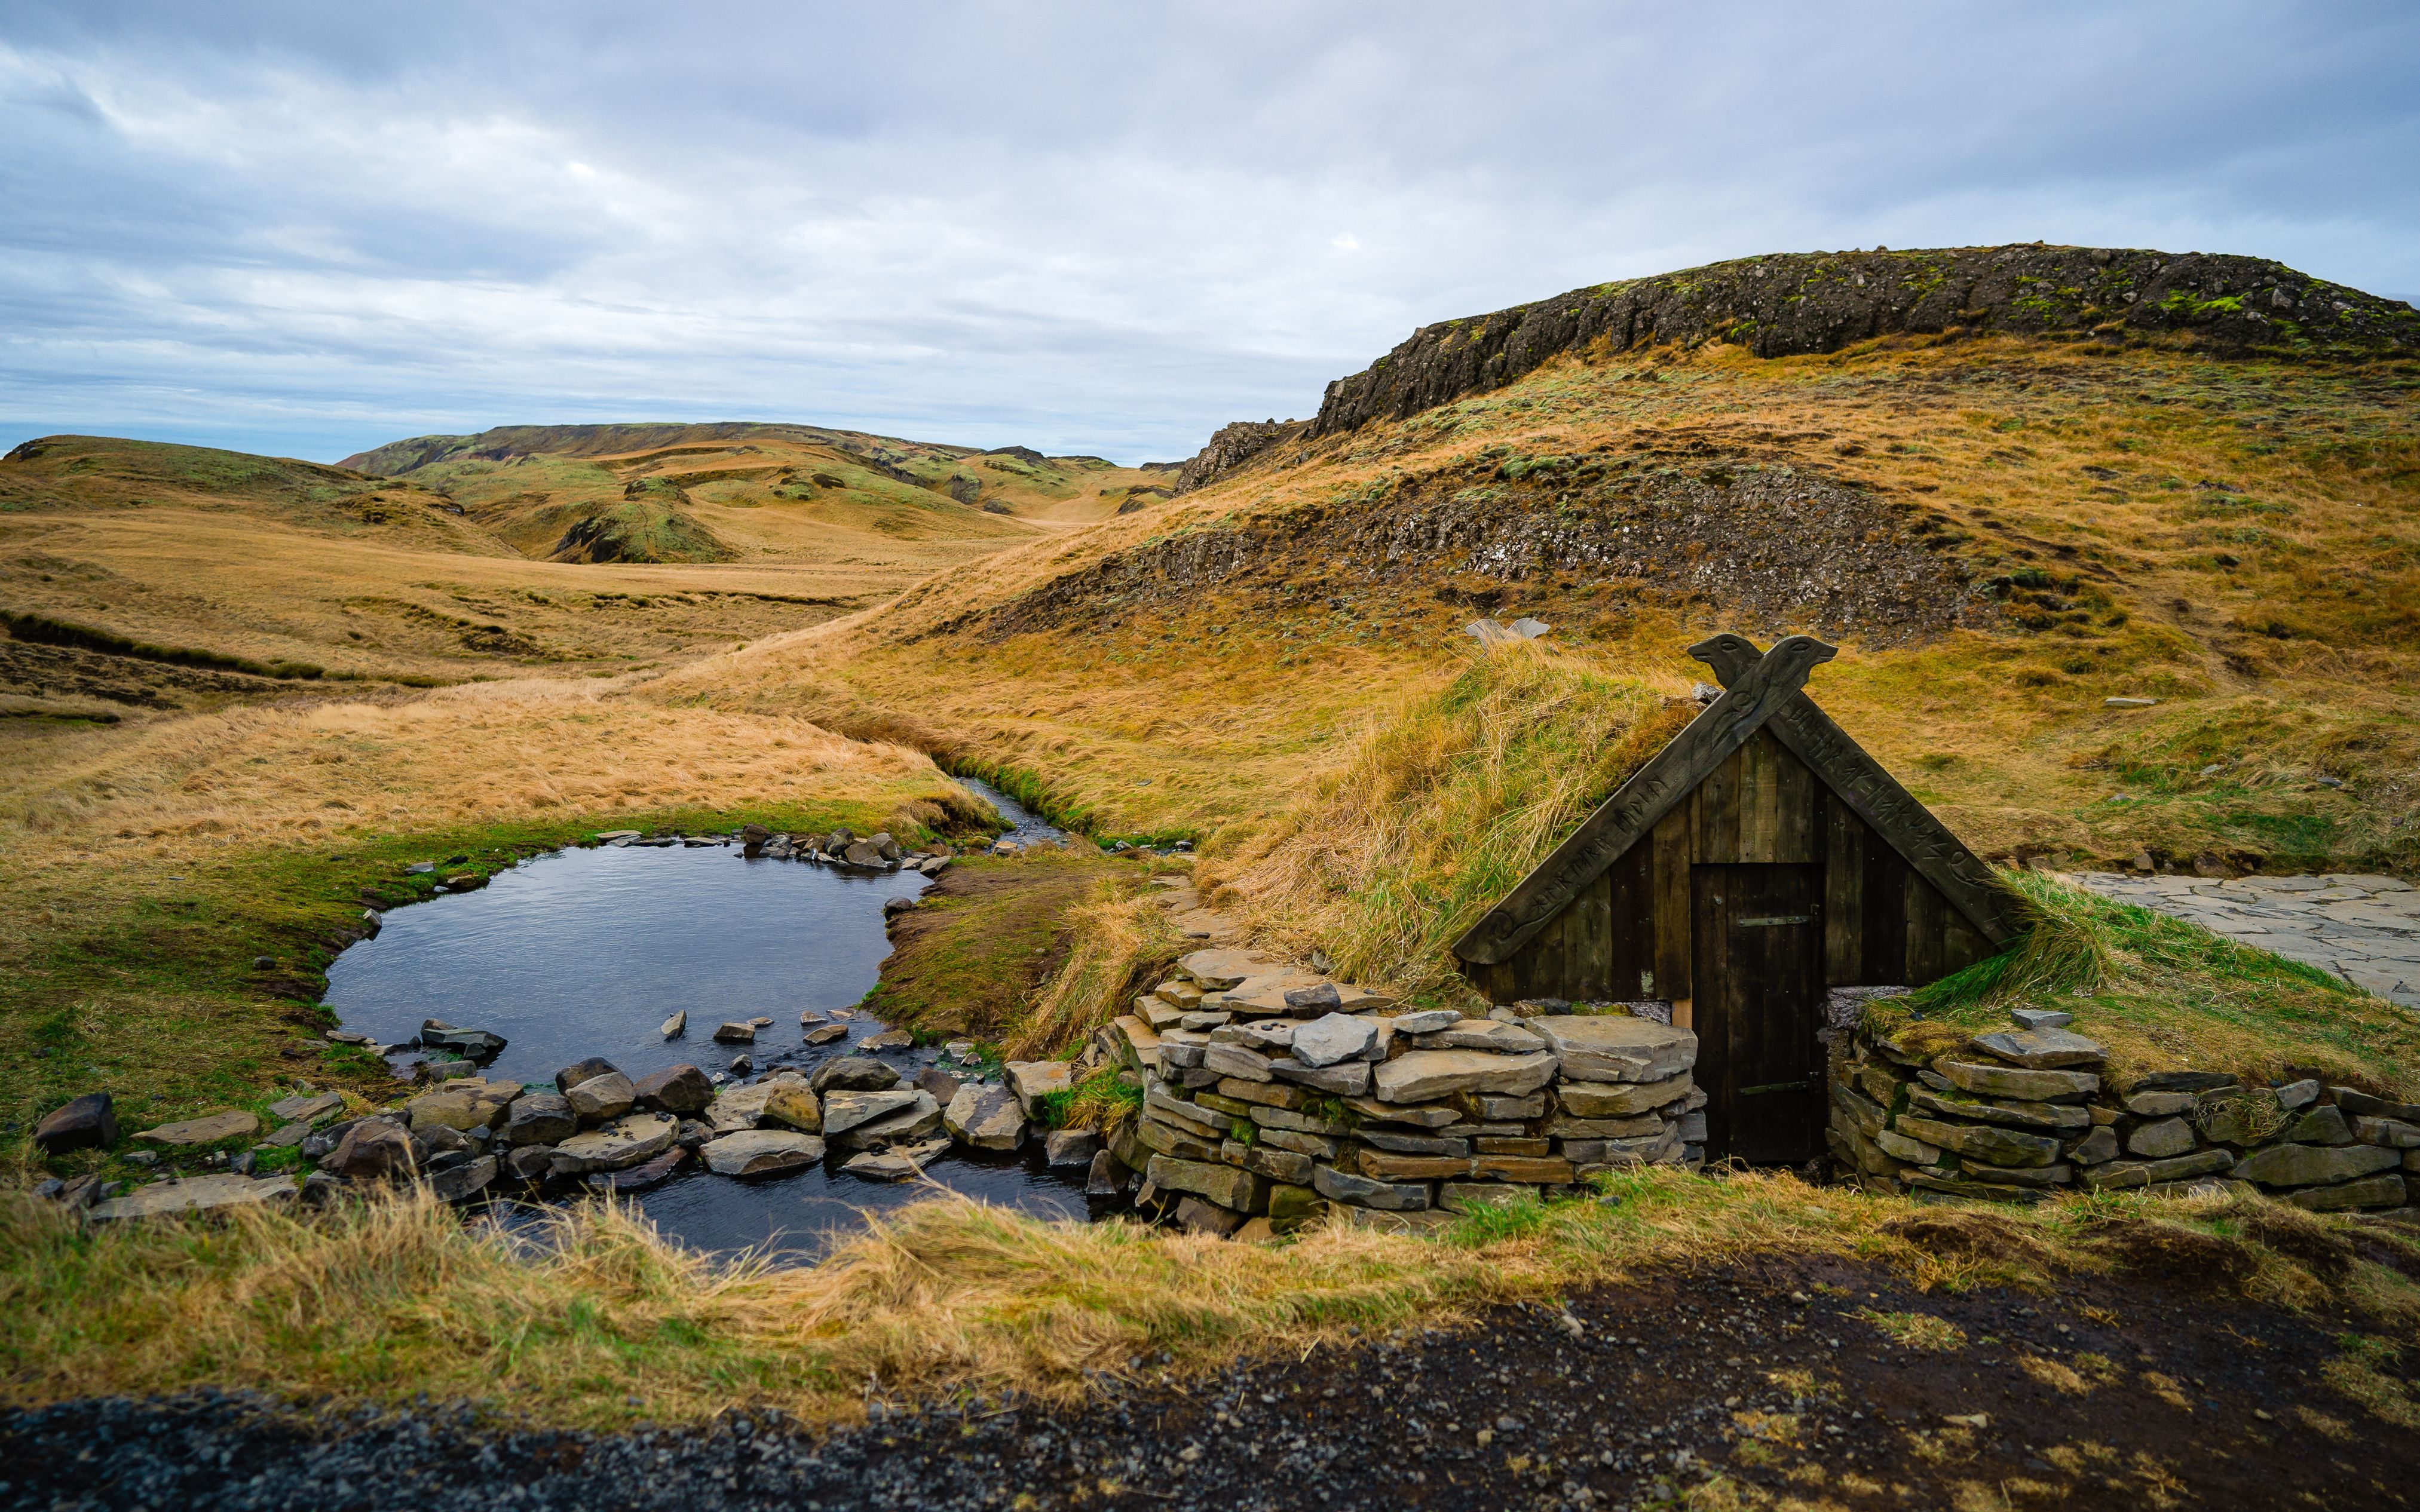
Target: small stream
585,952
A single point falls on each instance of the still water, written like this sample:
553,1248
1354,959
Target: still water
585,952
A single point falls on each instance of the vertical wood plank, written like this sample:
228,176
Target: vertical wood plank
1716,805
1630,917
1926,925
1674,839
1844,884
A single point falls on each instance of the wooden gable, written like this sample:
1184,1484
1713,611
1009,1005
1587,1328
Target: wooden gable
1761,777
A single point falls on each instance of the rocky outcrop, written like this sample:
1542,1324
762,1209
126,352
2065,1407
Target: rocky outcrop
1232,446
1803,302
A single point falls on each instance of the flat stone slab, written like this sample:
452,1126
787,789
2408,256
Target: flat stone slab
761,1152
304,1106
1615,1047
2042,1049
1221,969
988,1118
202,1193
207,1130
844,1111
1426,1075
626,1141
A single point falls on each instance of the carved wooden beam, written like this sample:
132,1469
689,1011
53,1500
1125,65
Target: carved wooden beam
1905,825
1621,820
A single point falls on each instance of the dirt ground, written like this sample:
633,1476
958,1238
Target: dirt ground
1780,1382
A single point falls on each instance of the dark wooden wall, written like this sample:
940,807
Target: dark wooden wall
1626,935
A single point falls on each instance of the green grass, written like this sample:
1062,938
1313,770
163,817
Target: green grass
1104,1101
964,962
2162,993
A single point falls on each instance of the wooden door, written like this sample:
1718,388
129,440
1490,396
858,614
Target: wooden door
1758,968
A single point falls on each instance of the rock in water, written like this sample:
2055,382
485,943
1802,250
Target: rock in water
870,1167
939,1083
539,1118
853,1073
464,1181
826,1033
602,1098
639,1177
761,1152
672,1027
476,1045
734,1033
1071,1146
625,1142
791,1105
88,1122
580,1070
680,1090
988,1118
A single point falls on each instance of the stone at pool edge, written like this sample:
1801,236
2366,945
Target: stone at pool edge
200,1193
207,1130
986,1118
88,1122
761,1152
626,1141
853,1073
682,1090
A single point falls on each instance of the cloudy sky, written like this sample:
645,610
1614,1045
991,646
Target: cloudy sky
308,228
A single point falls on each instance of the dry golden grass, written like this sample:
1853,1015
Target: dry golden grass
1117,932
382,1301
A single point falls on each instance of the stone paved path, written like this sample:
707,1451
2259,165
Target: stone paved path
2366,928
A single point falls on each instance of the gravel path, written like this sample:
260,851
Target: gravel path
2363,928
1827,1382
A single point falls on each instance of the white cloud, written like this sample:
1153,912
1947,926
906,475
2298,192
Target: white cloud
310,231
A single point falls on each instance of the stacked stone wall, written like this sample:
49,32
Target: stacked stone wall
2019,1114
1276,1093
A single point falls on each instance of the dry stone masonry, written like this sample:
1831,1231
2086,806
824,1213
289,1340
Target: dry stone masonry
2018,1114
1273,1092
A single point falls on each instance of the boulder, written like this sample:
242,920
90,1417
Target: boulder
2044,1049
200,1193
1071,1146
1107,1176
460,1183
988,1118
208,1130
528,1163
734,1033
743,1108
789,1104
1613,1048
826,1033
881,1165
852,1073
682,1090
2017,1082
1031,1081
626,1141
467,1102
2312,1165
602,1098
580,1070
844,1111
761,1152
675,1027
642,1177
88,1122
919,1119
1426,1075
372,1149
477,1045
887,1039
939,1083
539,1118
